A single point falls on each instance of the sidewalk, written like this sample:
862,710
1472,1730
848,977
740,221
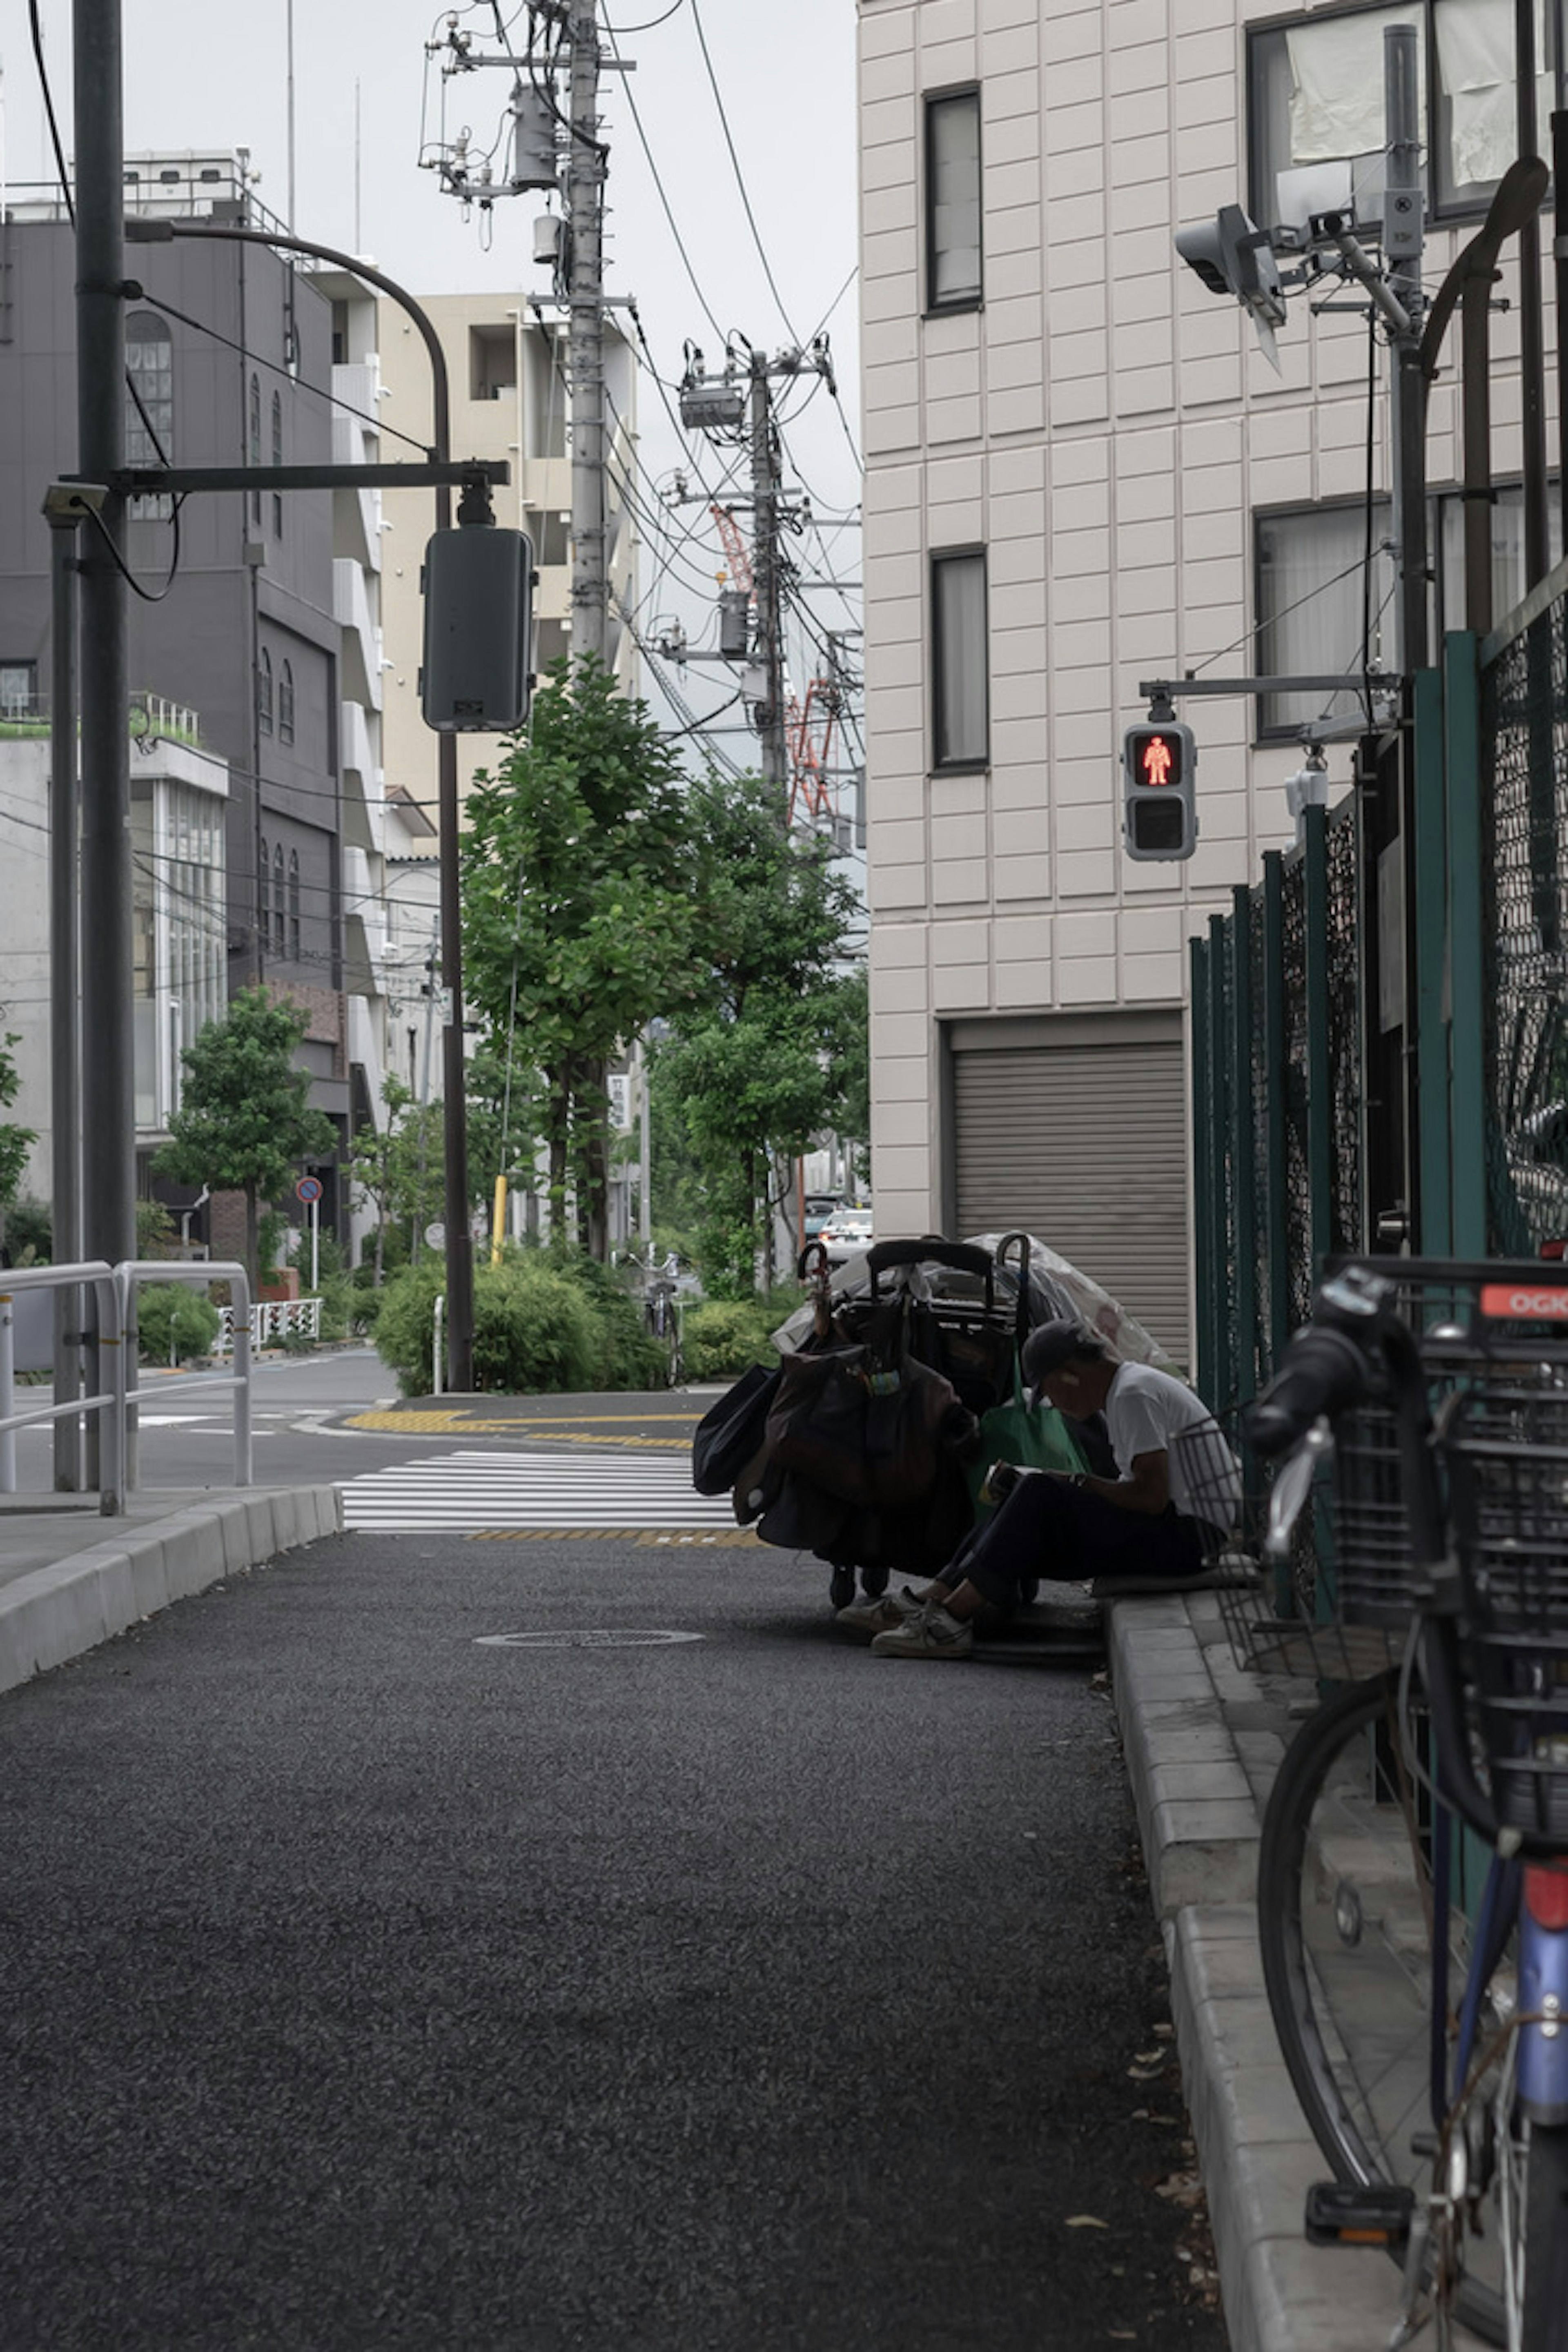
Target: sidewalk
1202,1740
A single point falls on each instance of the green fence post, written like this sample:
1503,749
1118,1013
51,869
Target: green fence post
1272,913
1462,745
1244,1149
1320,1105
1203,1158
1221,1167
1431,943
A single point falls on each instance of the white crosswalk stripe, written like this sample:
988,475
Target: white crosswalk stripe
532,1490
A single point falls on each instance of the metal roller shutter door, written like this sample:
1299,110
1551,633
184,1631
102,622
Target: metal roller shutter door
1085,1146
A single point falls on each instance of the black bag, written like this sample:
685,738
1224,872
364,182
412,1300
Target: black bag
730,1431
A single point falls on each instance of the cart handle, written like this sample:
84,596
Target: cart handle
928,1249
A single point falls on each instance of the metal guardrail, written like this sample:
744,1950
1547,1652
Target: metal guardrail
270,1318
134,1271
109,1405
115,1406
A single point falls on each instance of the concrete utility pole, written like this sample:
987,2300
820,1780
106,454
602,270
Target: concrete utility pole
108,1091
766,569
586,158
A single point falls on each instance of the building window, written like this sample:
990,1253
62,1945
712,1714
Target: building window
294,906
18,690
264,895
279,906
959,712
286,703
1320,612
253,442
1316,95
277,460
264,692
953,201
149,405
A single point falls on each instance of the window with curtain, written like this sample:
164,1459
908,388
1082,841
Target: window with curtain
277,460
18,690
959,700
954,260
286,703
1315,93
149,426
264,692
1314,607
1507,518
294,905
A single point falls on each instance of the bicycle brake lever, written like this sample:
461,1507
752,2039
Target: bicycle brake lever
1293,1484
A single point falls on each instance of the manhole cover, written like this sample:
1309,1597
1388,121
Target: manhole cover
593,1638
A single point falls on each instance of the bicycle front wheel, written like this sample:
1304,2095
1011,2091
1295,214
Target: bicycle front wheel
1345,1911
1546,2240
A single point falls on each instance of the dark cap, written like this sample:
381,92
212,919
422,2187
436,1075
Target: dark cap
1049,1346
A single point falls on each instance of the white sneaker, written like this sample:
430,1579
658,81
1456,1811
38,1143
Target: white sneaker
934,1634
885,1615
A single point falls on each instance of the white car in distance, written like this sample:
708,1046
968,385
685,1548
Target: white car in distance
845,1234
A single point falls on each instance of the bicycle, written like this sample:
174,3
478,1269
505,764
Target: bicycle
1413,1874
662,1309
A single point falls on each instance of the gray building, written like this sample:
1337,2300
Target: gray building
230,351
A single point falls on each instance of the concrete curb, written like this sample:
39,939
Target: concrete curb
1200,1772
58,1612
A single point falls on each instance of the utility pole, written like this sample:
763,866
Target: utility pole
108,1092
765,574
585,333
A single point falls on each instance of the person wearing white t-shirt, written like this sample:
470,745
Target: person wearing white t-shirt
1175,1492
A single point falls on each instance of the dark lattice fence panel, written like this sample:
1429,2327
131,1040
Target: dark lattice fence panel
1222,981
1524,926
1264,1177
1298,1196
1344,1027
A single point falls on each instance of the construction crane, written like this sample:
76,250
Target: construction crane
809,727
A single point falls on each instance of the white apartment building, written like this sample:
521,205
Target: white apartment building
1082,472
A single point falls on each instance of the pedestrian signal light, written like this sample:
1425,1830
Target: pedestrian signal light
1160,816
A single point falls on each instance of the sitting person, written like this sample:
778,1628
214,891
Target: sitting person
1147,1521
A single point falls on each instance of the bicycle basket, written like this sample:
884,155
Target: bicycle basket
1270,1610
1506,1448
1455,1314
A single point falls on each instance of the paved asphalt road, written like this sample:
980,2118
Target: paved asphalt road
369,1982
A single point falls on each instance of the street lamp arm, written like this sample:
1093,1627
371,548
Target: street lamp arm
1518,198
140,229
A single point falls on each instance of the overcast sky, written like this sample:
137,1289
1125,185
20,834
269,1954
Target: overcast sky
214,74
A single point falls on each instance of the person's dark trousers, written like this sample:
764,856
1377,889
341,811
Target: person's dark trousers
1048,1529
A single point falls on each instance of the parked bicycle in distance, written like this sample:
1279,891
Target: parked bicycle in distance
1413,1894
657,1284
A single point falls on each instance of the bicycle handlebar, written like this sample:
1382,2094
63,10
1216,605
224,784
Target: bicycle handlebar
1324,1372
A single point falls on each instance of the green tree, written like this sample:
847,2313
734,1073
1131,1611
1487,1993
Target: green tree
243,1124
578,916
15,1142
775,1051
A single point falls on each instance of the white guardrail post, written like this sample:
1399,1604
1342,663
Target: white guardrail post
8,1395
438,1350
197,1276
110,1404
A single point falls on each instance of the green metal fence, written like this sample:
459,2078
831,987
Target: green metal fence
1279,1018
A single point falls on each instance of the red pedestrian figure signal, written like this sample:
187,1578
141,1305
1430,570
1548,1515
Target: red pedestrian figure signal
1159,765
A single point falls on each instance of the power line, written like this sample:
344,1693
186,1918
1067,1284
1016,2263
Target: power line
740,177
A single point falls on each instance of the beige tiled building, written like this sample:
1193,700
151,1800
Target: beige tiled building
506,377
1081,471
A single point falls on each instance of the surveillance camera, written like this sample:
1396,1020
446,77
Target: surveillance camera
1328,224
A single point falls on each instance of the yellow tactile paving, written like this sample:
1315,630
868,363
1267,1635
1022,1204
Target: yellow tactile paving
728,1538
453,1424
